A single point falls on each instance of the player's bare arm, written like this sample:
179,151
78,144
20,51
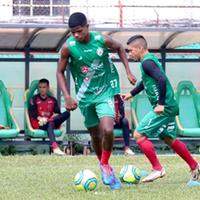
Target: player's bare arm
70,103
117,47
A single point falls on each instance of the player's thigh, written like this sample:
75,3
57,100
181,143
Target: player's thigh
105,113
105,108
151,124
90,116
168,130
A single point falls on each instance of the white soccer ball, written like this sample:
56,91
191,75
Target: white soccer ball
85,180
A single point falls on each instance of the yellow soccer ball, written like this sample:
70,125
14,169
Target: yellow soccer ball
130,174
85,180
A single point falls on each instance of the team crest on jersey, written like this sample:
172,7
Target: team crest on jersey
97,37
99,51
72,43
86,79
84,69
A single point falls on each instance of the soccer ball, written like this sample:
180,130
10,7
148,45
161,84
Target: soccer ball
130,174
85,180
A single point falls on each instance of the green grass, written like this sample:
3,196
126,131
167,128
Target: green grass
50,177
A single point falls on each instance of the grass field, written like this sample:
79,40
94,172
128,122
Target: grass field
50,177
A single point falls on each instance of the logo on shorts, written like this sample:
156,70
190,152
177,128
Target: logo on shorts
84,69
72,43
110,103
86,79
99,51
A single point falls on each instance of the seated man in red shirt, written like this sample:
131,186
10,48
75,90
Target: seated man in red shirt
121,122
45,114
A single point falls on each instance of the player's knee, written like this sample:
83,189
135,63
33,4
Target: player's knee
137,135
95,137
108,131
168,140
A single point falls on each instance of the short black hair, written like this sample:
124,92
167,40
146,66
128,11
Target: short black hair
137,37
44,80
77,19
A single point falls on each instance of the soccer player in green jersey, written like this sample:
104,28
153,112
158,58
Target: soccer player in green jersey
161,120
96,82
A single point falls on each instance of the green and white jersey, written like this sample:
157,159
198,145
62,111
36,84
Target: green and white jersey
95,76
152,89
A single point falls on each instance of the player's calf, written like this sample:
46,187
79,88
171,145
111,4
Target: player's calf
181,149
146,146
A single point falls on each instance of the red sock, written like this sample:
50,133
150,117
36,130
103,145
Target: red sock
54,145
147,148
181,149
105,157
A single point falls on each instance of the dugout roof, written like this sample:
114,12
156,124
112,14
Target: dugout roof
50,38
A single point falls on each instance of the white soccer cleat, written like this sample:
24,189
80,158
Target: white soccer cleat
155,174
58,152
129,152
195,174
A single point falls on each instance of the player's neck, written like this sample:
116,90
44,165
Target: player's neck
44,96
144,54
87,38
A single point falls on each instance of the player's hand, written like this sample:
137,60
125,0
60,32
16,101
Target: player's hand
42,121
45,120
132,79
159,109
127,96
38,118
70,103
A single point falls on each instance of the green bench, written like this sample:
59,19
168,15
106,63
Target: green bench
140,106
188,121
7,119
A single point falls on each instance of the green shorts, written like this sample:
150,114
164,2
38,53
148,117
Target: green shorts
154,125
94,112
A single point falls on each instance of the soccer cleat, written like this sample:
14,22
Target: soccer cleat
155,174
129,152
105,173
58,152
115,184
109,178
195,174
192,183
